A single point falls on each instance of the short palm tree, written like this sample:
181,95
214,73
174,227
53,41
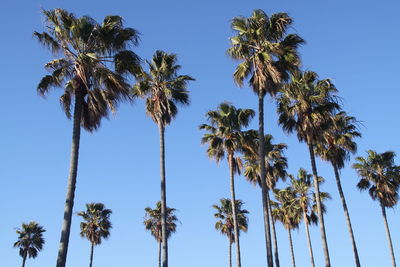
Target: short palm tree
163,89
30,240
267,55
224,224
225,137
338,142
152,223
92,60
96,225
381,177
305,106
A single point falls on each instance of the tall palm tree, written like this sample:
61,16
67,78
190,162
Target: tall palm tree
224,224
30,240
307,201
91,63
225,137
305,106
163,89
381,177
267,54
338,142
287,210
96,225
152,223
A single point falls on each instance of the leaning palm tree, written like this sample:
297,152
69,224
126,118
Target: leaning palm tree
163,89
381,177
267,54
30,240
224,224
152,223
305,106
96,225
91,65
338,142
225,137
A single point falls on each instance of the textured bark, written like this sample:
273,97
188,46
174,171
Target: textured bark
164,240
308,239
264,190
291,247
73,170
233,201
347,215
319,208
91,255
276,254
159,253
388,236
230,253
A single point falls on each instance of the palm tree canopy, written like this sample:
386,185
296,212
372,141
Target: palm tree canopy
224,215
380,176
90,58
305,105
287,208
267,53
163,88
152,221
97,223
30,239
338,139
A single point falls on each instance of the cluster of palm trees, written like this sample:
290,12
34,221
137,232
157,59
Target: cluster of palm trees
94,64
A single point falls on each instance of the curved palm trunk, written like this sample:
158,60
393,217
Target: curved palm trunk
276,254
163,198
73,169
319,208
24,260
308,239
291,247
233,201
388,236
159,253
230,253
347,215
91,255
264,190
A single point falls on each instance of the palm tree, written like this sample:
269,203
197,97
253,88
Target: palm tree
30,240
224,224
225,136
275,164
91,63
381,177
152,223
163,89
96,225
287,210
267,54
307,201
336,147
305,106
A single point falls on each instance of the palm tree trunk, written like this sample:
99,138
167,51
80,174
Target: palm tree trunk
264,190
24,260
159,253
230,253
163,198
73,169
319,208
291,248
308,239
233,201
347,215
276,254
91,255
388,236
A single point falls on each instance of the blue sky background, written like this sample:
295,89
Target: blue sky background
356,43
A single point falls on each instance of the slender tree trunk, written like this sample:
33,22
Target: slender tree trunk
24,260
230,253
73,169
159,253
233,201
264,190
388,236
319,208
291,248
91,255
308,239
276,254
163,199
347,215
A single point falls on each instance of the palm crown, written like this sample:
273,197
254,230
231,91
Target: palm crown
30,239
97,223
287,208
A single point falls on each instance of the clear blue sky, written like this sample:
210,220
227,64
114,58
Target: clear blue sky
356,43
